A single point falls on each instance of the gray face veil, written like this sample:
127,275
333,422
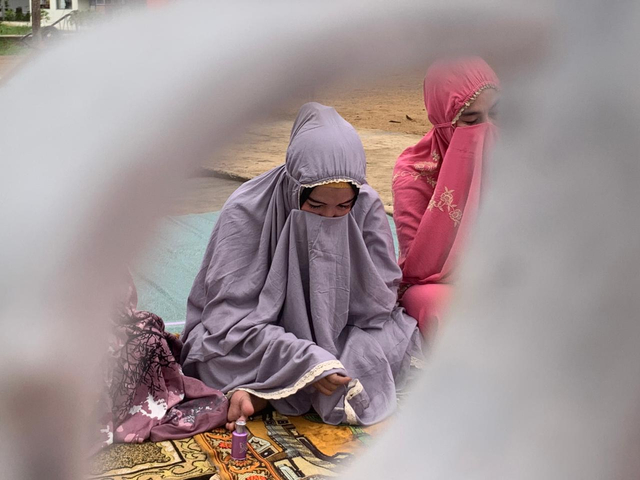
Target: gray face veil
285,297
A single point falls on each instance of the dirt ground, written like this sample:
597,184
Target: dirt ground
392,103
388,113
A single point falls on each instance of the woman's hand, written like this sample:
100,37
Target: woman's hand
330,383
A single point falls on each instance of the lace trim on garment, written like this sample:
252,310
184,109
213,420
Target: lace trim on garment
302,382
355,389
327,182
417,363
472,99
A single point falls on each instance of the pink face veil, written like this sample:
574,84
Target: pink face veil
437,183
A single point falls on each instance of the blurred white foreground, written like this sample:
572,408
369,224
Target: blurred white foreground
537,374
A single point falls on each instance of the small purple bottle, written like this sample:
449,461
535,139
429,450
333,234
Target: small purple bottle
239,441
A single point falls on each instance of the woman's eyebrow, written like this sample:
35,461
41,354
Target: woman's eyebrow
315,201
348,201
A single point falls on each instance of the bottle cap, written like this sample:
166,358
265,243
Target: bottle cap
241,426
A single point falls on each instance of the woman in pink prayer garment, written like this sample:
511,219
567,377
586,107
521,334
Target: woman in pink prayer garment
437,184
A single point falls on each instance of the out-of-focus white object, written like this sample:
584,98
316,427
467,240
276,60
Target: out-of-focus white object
536,375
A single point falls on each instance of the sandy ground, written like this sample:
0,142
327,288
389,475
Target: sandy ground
388,113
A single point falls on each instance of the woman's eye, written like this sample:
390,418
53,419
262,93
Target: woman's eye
344,207
315,207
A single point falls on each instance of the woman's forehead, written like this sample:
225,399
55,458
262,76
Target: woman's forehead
328,194
483,103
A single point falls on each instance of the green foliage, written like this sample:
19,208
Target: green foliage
9,15
8,47
11,30
16,15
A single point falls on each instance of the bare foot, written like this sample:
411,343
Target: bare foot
241,406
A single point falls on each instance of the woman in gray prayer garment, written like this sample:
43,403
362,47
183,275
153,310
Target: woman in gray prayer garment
295,301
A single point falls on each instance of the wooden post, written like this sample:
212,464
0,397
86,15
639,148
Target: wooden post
35,21
2,9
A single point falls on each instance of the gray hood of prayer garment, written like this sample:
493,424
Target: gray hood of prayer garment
286,297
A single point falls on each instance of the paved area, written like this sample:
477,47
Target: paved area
204,194
9,64
388,113
264,147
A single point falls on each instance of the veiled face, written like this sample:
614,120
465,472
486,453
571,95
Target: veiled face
483,109
328,201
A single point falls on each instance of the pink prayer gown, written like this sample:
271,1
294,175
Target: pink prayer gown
436,187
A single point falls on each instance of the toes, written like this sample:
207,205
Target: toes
242,405
246,407
234,411
235,405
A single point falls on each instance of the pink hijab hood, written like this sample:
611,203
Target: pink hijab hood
437,182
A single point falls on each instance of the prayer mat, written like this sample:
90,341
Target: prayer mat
280,448
172,459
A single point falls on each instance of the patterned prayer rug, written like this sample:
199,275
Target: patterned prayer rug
174,459
280,448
